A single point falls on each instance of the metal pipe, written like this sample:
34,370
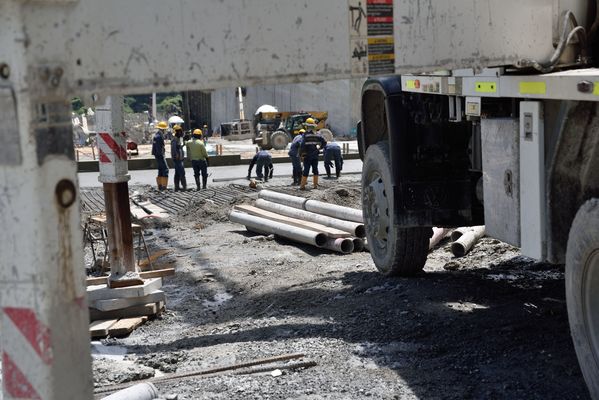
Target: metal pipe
438,235
278,228
458,232
335,211
341,245
461,246
356,229
141,391
358,244
282,198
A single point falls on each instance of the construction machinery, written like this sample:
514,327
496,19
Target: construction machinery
277,129
488,113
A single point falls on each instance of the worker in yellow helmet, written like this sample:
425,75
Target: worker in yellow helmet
295,157
158,151
310,147
196,151
177,156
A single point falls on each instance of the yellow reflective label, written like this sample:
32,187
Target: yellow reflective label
381,40
533,88
486,87
596,89
411,84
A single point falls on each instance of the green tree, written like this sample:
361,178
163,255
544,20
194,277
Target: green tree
77,106
170,104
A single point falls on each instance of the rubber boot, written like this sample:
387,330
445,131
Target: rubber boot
165,182
315,181
197,178
303,183
176,183
184,183
204,181
337,173
159,182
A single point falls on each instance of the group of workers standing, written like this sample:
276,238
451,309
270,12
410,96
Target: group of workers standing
196,152
305,147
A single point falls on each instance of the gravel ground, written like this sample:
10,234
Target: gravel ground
492,324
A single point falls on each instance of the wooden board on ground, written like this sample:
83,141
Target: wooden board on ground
102,292
154,210
125,326
145,263
157,273
117,304
138,212
100,328
148,310
330,232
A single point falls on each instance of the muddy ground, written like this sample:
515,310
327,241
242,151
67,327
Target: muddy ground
492,324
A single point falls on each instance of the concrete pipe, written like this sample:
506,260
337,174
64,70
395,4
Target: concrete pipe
354,228
458,232
141,391
463,245
358,244
341,245
278,228
282,198
438,235
335,211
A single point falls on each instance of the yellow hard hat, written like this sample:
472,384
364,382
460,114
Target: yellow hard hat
162,125
197,132
177,128
302,130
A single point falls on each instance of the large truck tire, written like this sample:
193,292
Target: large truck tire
326,134
582,291
394,250
279,140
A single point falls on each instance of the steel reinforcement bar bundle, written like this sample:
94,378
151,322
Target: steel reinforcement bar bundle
313,222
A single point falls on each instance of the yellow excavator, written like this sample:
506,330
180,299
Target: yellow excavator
274,130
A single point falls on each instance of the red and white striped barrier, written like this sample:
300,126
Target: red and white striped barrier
112,151
25,363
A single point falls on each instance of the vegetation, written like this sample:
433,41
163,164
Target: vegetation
167,103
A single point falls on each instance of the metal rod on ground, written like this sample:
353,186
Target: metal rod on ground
438,235
282,198
211,371
141,391
335,211
112,148
355,228
298,365
287,231
461,246
341,245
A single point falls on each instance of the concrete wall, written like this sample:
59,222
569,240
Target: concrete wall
340,98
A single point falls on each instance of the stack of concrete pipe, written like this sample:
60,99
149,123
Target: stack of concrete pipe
313,222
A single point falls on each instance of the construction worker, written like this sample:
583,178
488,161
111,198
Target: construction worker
263,161
158,151
196,151
310,146
295,157
332,152
178,156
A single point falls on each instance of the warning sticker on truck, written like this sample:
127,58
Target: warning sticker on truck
371,37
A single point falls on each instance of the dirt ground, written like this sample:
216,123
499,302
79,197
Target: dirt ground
492,324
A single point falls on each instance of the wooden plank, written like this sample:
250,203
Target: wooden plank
101,292
153,257
158,273
137,212
155,210
330,232
100,328
130,312
117,304
125,326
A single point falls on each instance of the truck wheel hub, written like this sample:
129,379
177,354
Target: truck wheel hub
377,218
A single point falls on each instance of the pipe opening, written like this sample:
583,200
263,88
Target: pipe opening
347,245
458,249
320,239
360,231
358,244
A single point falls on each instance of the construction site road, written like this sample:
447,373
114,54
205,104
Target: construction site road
148,177
489,325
